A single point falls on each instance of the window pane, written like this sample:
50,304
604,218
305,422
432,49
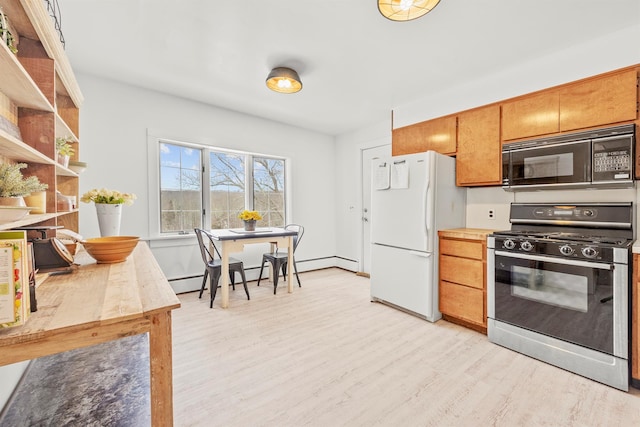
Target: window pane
180,188
268,190
227,173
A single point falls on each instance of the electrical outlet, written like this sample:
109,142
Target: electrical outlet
491,214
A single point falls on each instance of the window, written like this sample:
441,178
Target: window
236,181
268,190
227,174
180,188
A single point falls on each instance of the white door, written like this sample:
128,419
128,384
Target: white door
366,156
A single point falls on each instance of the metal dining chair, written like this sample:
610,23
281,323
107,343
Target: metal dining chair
279,260
213,266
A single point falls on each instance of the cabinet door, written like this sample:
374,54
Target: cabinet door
462,302
462,248
479,157
531,116
601,101
437,135
469,272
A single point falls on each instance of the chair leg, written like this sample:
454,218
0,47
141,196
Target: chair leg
261,268
204,282
284,271
232,278
244,282
295,269
213,285
276,274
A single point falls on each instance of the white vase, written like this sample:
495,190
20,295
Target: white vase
109,218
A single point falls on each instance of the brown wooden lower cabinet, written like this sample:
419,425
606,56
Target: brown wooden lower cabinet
463,273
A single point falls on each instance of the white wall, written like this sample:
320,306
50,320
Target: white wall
115,119
617,50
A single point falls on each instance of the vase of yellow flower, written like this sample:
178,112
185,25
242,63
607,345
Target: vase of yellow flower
249,218
108,208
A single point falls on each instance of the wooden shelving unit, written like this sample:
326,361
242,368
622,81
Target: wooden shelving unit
39,83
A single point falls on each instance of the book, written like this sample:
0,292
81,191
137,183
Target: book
14,283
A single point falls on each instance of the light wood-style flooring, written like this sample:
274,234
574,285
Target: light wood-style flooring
326,356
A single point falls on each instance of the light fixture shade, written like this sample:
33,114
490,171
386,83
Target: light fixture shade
405,10
284,80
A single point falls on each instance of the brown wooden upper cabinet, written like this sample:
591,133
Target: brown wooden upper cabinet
437,135
479,158
608,99
532,115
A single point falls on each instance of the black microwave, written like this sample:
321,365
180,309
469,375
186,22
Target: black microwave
602,158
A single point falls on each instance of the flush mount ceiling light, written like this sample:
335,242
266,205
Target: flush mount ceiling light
284,80
405,10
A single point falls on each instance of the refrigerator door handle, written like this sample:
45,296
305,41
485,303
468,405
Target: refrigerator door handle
427,212
420,254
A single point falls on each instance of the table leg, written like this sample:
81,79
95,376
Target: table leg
290,265
224,275
161,372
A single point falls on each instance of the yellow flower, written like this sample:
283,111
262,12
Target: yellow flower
246,215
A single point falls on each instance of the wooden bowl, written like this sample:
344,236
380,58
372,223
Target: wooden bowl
111,249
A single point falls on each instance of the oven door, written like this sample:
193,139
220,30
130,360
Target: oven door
572,300
566,164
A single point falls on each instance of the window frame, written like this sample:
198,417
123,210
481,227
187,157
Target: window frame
154,141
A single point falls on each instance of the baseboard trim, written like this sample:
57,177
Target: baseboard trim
185,284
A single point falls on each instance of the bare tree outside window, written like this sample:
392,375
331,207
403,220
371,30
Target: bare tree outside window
227,176
268,190
180,188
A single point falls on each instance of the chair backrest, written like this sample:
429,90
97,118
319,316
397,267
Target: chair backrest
207,257
205,245
296,239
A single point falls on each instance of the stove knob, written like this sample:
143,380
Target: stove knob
566,250
526,246
589,252
509,244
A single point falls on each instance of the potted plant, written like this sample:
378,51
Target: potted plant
108,208
13,186
64,150
250,218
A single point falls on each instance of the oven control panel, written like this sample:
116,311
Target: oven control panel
554,248
566,212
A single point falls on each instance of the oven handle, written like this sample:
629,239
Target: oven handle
556,260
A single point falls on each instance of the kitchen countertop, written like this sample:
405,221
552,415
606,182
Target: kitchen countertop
636,247
468,233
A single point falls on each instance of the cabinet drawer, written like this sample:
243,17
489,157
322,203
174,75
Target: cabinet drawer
465,271
462,302
466,249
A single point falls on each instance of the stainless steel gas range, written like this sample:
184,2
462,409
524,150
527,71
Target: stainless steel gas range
559,286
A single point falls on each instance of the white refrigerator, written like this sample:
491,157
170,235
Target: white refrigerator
412,197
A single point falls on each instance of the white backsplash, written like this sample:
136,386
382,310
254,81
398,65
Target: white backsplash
482,199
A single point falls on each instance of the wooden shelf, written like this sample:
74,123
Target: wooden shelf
63,130
18,85
14,149
62,171
33,219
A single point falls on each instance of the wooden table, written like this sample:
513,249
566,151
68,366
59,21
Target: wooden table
98,303
233,240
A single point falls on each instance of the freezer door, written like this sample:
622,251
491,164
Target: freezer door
398,215
405,279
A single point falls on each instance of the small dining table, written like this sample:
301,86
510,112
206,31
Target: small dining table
233,240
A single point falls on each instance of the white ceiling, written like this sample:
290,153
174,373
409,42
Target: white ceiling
355,65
